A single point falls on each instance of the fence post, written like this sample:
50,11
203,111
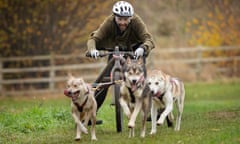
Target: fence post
198,63
235,66
1,75
52,72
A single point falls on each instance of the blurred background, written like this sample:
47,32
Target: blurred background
42,41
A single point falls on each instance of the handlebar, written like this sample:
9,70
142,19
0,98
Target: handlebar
103,54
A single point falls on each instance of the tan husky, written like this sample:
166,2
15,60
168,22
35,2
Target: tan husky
166,90
83,105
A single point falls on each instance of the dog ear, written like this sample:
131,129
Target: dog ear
81,81
140,61
168,82
129,60
70,75
84,84
87,87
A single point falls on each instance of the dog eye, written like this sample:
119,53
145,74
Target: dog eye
74,86
149,83
156,83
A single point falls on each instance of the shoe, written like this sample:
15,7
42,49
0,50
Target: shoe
98,122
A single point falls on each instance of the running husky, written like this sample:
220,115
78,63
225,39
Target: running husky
83,105
135,94
166,90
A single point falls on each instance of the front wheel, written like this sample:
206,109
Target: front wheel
118,110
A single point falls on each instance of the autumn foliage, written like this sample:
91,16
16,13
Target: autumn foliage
219,26
35,27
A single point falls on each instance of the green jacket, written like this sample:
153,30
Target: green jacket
108,35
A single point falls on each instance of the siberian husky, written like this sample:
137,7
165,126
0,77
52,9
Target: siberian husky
83,105
166,90
135,94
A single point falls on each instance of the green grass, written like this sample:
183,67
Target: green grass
211,116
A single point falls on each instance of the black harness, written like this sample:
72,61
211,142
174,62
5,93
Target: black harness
146,89
161,96
80,107
131,95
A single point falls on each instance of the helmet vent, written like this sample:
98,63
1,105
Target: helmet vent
121,9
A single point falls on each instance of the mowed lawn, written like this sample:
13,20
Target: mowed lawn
211,116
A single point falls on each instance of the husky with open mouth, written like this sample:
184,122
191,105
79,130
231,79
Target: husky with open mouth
165,90
135,94
83,105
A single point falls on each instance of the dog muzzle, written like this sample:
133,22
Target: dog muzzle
73,95
158,94
135,84
67,93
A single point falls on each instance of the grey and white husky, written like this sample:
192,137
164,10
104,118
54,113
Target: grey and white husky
135,94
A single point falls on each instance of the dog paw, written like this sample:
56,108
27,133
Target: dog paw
94,139
153,132
84,130
176,129
131,125
142,134
77,139
159,123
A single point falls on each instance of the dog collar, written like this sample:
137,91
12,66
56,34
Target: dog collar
87,92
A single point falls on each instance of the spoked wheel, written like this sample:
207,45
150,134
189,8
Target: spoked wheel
118,110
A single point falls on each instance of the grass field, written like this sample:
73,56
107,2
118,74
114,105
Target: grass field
211,116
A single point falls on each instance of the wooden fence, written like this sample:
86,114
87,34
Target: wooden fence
197,57
180,55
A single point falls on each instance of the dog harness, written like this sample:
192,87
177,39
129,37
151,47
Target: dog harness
80,107
139,84
173,81
131,95
145,92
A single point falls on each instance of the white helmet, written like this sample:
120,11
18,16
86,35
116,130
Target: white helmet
123,8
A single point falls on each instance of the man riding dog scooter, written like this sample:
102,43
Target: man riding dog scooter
122,28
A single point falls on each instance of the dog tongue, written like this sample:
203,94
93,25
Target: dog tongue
134,87
66,92
158,94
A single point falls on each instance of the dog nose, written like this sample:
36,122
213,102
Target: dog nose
67,93
152,92
134,81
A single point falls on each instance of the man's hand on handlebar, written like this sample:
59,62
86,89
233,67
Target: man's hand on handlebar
94,54
139,52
